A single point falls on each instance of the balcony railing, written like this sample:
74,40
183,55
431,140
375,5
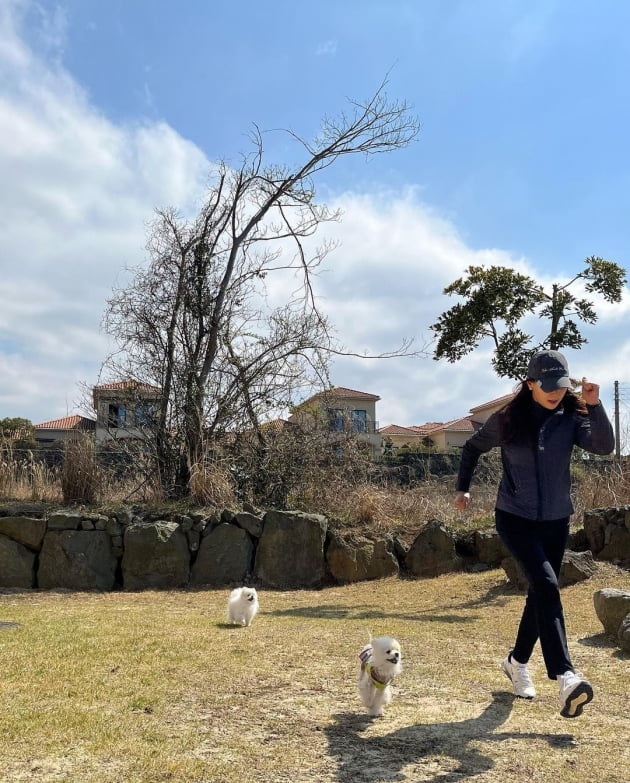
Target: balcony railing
358,426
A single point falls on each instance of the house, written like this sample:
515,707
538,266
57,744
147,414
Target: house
441,435
65,429
125,409
342,410
394,437
481,413
451,434
434,434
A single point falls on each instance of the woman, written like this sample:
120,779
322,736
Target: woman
536,432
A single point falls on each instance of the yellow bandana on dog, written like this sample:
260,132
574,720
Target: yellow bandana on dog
375,681
364,656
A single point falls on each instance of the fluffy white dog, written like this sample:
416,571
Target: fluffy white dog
242,606
381,661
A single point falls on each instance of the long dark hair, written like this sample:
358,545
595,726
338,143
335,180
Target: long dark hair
518,423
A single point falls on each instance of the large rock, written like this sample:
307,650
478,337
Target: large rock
577,540
25,530
65,520
611,608
226,556
576,567
156,556
617,545
433,551
360,559
17,564
624,634
489,548
514,573
608,533
290,552
250,522
595,522
78,560
23,508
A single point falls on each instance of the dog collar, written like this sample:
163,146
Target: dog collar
380,684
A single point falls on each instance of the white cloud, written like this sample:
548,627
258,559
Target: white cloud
78,191
395,257
385,283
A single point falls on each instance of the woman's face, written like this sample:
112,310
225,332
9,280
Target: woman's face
549,400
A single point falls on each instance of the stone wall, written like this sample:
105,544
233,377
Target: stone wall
134,549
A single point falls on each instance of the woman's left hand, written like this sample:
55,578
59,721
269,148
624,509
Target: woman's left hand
590,392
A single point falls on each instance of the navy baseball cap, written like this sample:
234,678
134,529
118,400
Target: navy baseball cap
550,371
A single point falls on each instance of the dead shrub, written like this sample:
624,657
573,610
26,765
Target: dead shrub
80,473
23,477
600,486
44,482
7,477
211,485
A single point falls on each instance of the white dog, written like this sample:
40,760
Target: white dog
242,606
381,661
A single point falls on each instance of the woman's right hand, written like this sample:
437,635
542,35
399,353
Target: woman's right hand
461,500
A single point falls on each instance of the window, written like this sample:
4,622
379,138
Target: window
359,421
144,414
335,419
116,416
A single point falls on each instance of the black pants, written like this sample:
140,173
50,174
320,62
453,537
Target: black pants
538,547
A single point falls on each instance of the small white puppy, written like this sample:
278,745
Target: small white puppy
242,606
381,661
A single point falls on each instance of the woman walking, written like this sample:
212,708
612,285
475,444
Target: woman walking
536,432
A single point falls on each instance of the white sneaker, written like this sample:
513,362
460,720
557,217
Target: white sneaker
575,692
518,674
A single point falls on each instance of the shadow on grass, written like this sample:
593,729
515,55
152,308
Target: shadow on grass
498,595
232,626
342,611
369,759
601,640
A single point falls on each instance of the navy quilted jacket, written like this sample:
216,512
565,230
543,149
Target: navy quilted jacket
536,482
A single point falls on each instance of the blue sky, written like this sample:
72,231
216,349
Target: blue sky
110,109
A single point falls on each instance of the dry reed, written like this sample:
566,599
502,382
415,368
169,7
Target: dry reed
352,502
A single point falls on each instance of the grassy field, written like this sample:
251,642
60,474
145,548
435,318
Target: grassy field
154,686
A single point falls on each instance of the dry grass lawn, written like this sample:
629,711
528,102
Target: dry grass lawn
153,686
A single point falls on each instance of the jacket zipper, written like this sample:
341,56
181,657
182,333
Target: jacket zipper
538,457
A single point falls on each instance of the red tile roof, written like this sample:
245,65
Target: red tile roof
340,392
128,385
427,427
396,429
505,399
459,425
462,424
277,424
16,435
68,423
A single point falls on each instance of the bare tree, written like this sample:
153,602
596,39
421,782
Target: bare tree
196,321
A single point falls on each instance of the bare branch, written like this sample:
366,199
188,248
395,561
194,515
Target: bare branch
196,321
